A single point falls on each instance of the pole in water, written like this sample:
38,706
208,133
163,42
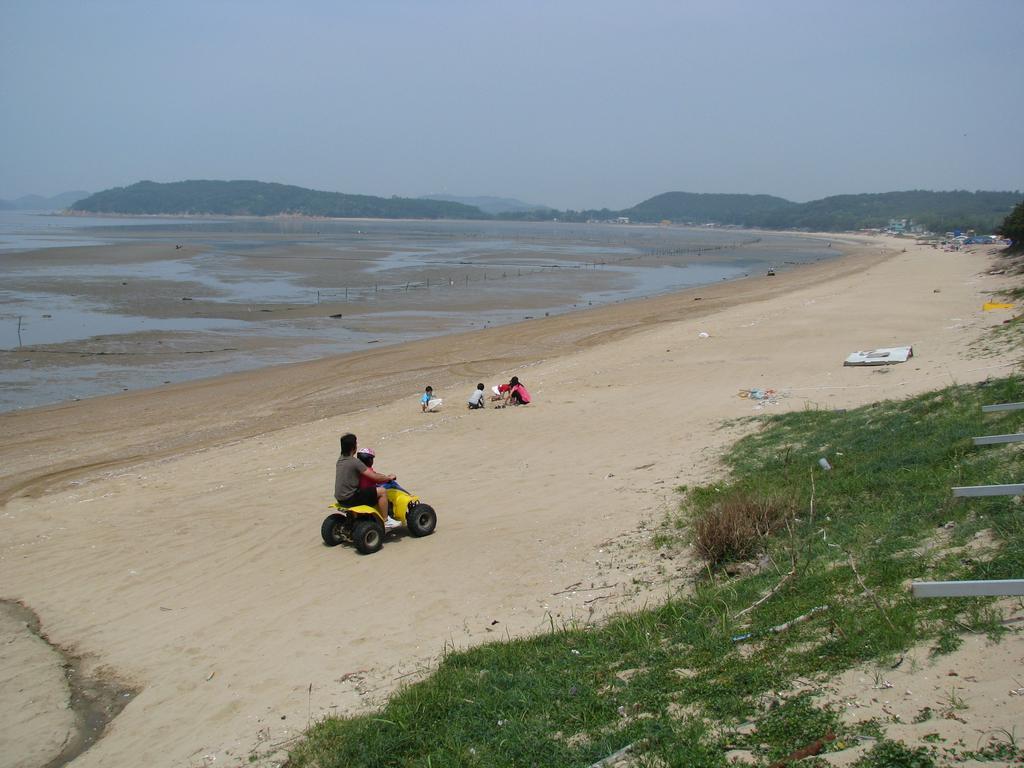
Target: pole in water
19,330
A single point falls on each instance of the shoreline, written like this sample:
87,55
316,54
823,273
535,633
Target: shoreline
137,314
314,382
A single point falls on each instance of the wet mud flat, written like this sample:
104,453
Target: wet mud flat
169,302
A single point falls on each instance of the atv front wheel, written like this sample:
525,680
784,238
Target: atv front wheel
368,536
421,519
333,529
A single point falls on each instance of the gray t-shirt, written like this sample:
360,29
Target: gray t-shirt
346,476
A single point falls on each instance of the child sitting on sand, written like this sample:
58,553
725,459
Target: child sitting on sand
500,392
428,402
476,400
517,394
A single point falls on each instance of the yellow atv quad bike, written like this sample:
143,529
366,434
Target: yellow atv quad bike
364,526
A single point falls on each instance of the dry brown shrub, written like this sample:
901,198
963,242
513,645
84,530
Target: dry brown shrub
735,528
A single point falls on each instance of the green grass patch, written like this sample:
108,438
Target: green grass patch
687,681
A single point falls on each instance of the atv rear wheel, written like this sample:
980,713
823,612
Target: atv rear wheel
333,529
421,520
368,536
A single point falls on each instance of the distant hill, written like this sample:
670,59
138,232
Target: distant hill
491,205
708,208
258,198
936,211
40,203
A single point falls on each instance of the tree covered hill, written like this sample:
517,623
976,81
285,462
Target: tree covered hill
936,211
708,208
258,198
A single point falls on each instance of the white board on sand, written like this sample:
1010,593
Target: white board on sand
881,356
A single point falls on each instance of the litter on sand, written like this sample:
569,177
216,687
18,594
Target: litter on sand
988,306
762,397
757,394
881,356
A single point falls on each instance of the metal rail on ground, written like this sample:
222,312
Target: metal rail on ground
1009,489
1002,407
996,439
984,588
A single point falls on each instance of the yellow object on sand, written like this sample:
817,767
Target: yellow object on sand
988,306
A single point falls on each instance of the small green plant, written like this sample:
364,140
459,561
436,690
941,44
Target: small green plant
923,715
872,728
895,754
793,726
947,642
1001,745
954,702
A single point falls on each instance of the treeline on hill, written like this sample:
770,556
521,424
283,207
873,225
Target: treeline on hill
935,211
258,198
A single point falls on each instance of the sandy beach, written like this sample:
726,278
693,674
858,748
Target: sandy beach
169,539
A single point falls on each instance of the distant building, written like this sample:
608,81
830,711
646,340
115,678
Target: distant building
622,220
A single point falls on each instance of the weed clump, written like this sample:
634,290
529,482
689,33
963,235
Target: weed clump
737,526
895,754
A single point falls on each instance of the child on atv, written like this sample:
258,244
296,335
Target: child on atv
367,455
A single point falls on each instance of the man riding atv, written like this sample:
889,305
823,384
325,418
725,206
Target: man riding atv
364,515
347,472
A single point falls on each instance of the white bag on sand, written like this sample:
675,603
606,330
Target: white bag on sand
435,403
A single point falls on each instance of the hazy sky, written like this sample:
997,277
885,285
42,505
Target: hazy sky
575,104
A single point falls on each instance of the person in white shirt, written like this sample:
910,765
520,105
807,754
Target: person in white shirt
476,400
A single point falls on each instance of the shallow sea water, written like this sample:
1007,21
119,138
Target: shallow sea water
394,280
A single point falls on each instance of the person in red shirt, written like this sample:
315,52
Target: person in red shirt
500,392
517,394
366,455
